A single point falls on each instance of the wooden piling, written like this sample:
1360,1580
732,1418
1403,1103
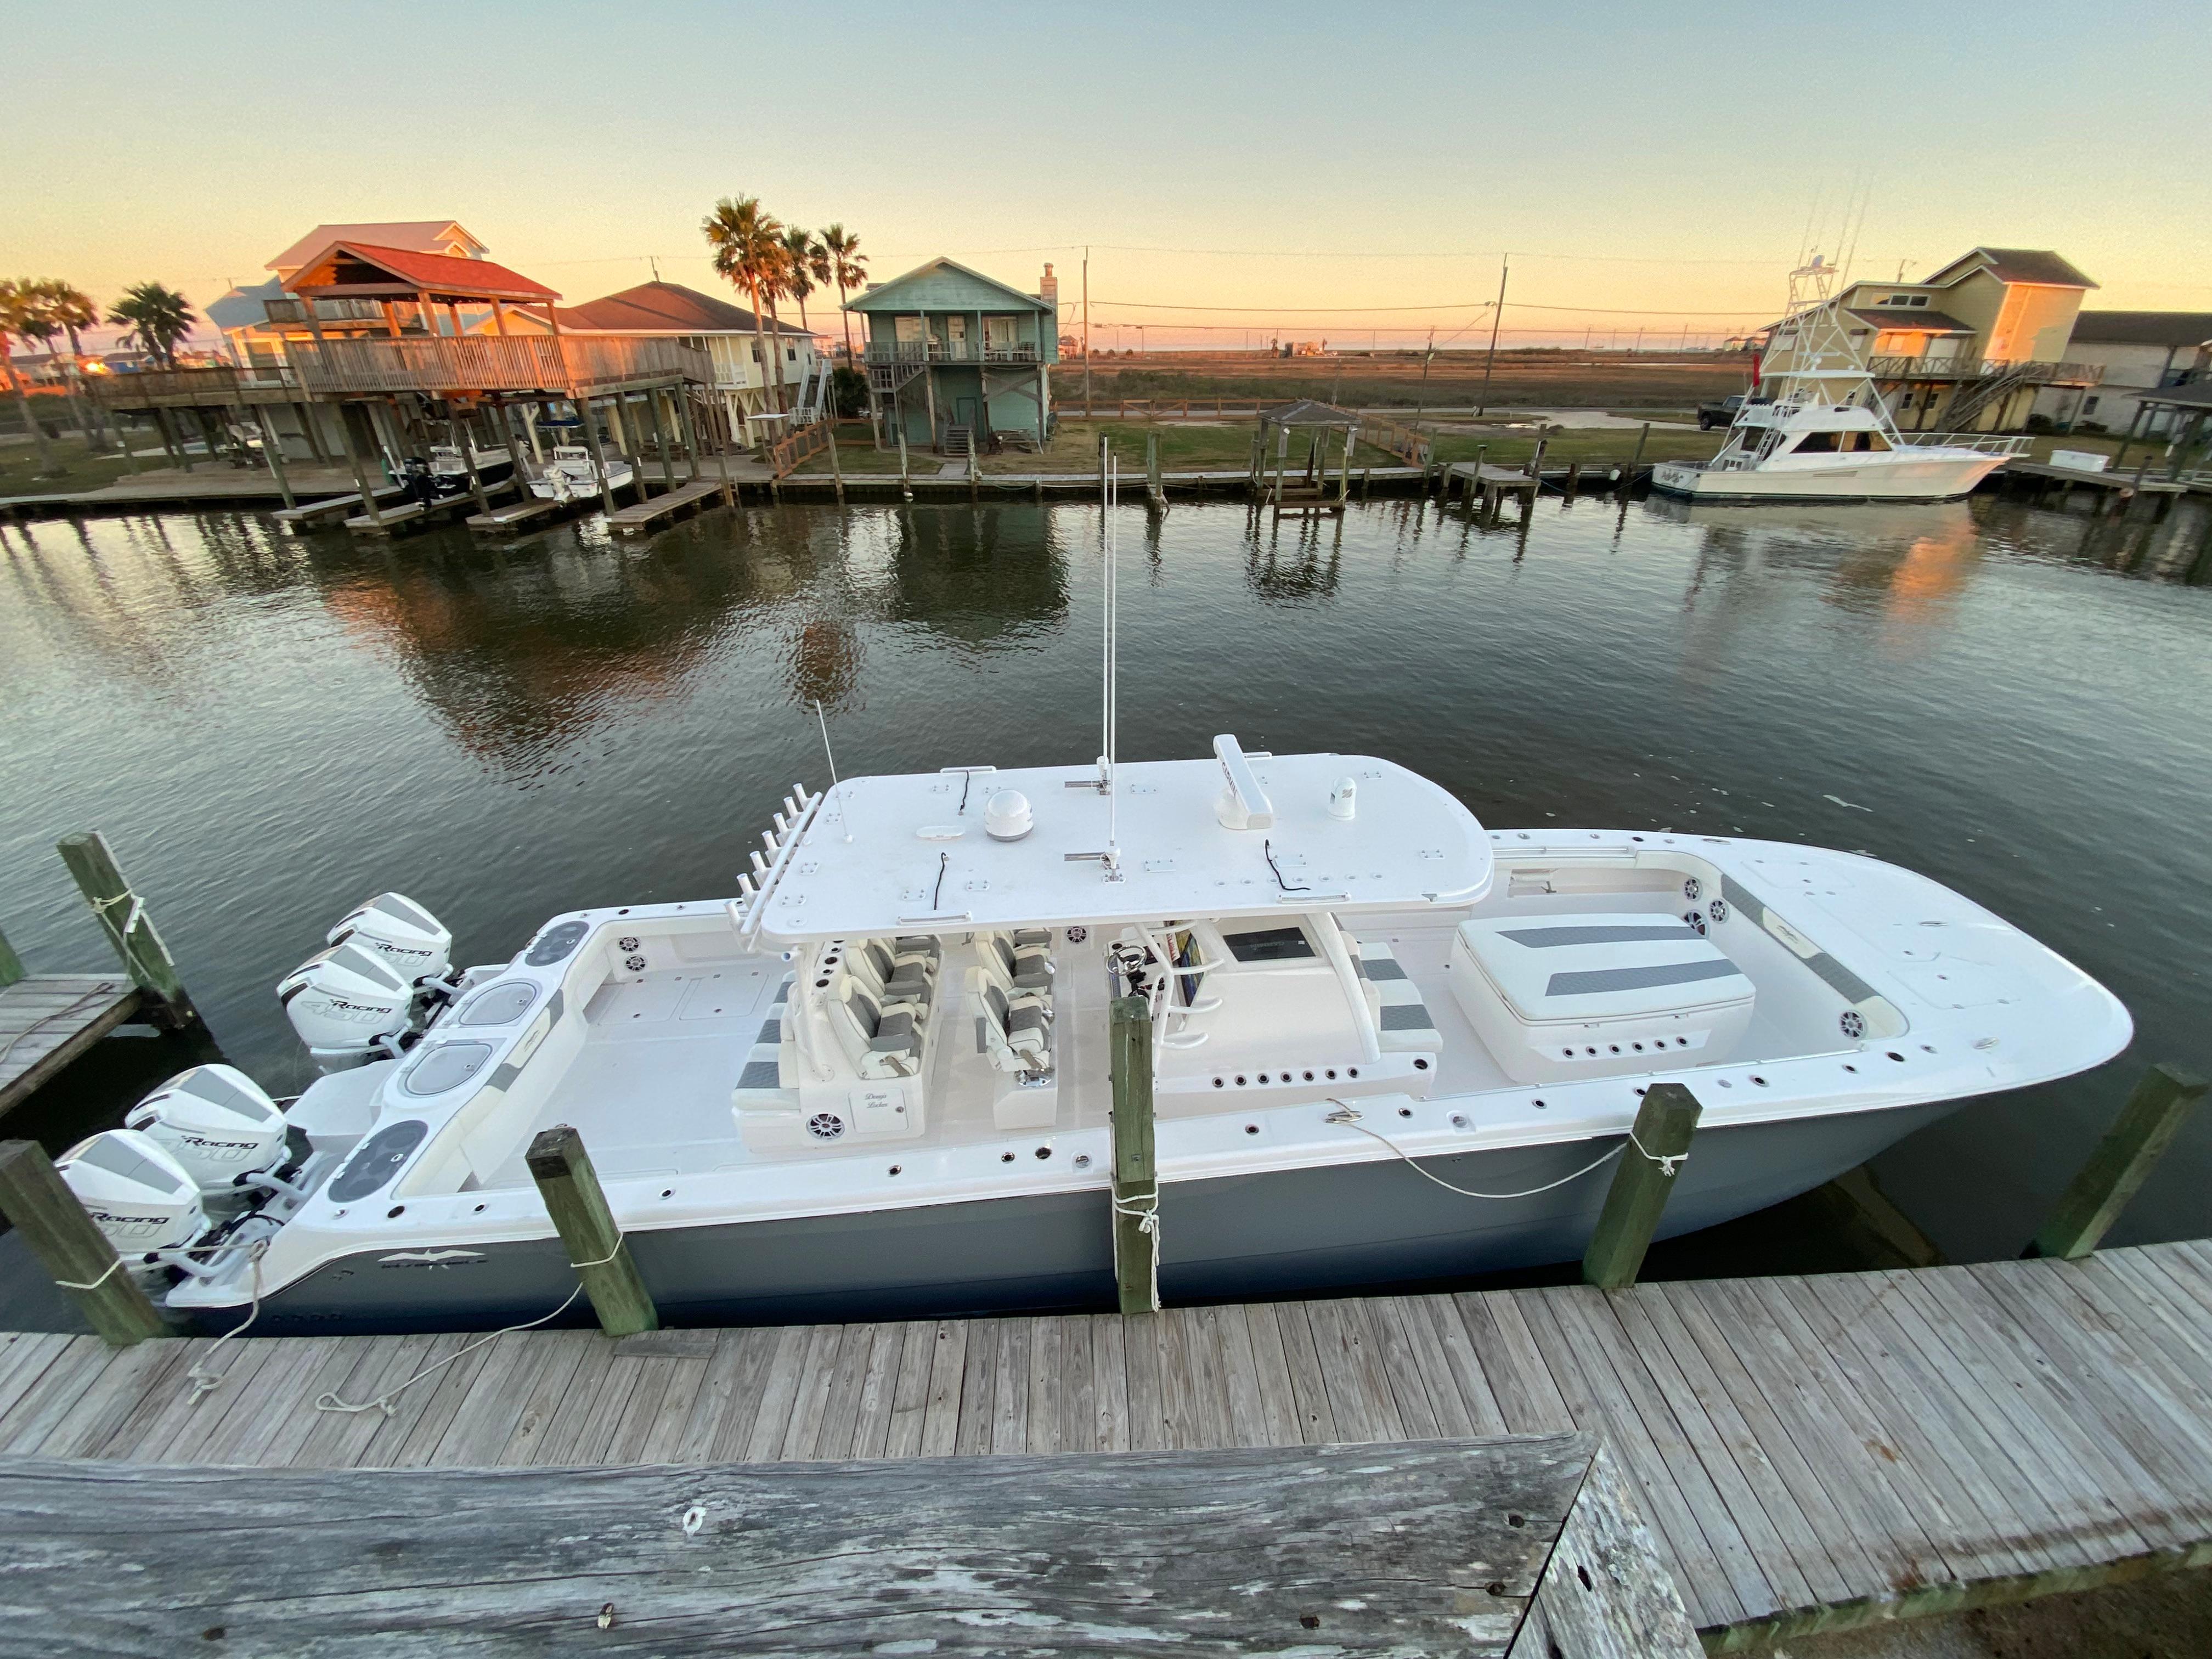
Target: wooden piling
1136,1183
11,965
70,1246
569,1186
2122,1161
836,470
122,918
906,483
1628,478
1641,1181
273,453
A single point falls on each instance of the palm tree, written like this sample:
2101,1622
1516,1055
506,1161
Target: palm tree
159,317
799,268
848,269
748,244
72,309
22,315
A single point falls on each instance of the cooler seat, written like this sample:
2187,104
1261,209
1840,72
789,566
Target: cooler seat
1557,998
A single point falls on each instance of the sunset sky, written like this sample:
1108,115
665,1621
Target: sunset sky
1326,170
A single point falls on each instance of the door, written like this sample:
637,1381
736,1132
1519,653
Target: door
964,413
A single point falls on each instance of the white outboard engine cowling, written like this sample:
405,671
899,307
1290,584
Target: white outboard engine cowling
348,1004
136,1192
216,1123
402,932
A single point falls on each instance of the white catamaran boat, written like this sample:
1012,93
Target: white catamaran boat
568,476
875,1082
1821,432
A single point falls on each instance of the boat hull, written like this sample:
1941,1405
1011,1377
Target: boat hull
1229,1238
1935,479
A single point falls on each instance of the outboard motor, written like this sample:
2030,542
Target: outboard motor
134,1192
218,1125
396,927
349,1005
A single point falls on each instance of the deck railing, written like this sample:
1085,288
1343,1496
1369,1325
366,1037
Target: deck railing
492,363
1987,443
948,351
1976,368
216,383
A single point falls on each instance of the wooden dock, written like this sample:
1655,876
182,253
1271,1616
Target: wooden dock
1809,1452
47,1020
332,509
648,512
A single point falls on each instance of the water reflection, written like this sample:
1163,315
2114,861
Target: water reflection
273,726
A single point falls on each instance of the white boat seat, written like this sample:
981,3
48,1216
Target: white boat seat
1565,996
918,947
1013,1038
992,969
1025,957
1403,1023
892,981
879,1041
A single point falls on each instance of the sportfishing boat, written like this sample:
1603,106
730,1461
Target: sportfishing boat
449,472
1387,1043
1817,430
568,476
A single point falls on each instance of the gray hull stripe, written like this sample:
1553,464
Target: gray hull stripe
1638,979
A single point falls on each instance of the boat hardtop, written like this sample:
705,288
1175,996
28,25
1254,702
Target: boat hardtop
901,855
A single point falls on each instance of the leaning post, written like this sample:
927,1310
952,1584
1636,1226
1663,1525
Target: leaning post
70,1246
1642,1182
569,1186
272,452
837,471
2122,1163
1136,1185
1628,479
11,965
122,918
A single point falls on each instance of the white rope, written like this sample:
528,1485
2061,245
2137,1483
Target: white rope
1350,1118
1667,1165
1146,1212
112,1267
331,1401
204,1381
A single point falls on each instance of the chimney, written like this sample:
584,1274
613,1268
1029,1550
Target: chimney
1048,289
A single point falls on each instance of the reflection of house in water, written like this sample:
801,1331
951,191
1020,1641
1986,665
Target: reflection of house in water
825,662
1304,570
987,578
520,653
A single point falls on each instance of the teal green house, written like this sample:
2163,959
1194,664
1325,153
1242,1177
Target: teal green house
957,358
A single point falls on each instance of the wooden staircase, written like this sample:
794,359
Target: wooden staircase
959,440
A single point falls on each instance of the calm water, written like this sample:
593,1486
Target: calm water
269,728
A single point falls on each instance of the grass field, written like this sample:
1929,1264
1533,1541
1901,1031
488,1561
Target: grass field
1577,379
81,468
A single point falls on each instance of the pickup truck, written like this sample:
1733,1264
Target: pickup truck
1720,414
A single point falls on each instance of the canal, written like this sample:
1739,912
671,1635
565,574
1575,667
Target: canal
269,728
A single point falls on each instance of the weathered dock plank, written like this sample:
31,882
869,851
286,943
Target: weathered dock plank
47,1020
1807,1451
1437,1548
649,511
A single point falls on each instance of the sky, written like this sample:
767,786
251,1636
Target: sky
1301,171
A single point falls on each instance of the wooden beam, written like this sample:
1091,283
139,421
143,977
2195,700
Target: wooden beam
1641,1181
1136,1188
122,918
70,1246
1425,1548
11,965
562,1170
1605,1592
2123,1159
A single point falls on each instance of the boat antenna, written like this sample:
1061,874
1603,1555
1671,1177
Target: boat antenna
823,721
1113,669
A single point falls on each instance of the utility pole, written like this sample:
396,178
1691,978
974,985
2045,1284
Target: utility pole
1482,397
1087,330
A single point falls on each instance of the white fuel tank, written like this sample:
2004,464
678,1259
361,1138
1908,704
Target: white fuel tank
216,1123
137,1194
348,1004
402,932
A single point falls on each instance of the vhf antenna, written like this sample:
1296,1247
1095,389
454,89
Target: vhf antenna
823,721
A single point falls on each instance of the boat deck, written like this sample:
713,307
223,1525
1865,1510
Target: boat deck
1810,1452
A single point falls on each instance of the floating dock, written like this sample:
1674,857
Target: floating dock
1808,1452
648,512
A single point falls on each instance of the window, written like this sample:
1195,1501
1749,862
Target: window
791,354
999,333
2088,405
909,331
1855,442
1816,443
1269,944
